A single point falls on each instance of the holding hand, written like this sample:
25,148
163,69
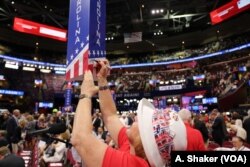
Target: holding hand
103,69
88,87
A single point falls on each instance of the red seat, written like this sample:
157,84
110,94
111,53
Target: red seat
212,146
247,145
227,144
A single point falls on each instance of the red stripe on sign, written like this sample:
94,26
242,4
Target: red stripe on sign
85,61
68,75
76,69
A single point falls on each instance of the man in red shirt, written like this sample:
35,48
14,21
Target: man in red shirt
148,142
195,141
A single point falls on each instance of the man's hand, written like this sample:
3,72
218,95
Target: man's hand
88,87
104,69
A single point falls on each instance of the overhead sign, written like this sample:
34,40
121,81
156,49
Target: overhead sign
45,105
170,87
229,10
34,28
87,31
11,92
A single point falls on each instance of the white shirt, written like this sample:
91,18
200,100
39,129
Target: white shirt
243,148
59,153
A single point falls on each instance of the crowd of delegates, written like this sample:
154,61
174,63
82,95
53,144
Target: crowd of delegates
212,131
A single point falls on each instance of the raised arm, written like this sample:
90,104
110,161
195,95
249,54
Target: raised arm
83,139
107,104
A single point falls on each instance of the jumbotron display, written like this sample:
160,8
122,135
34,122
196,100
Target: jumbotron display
34,28
229,10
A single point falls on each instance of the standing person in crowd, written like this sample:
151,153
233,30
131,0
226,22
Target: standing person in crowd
195,141
246,126
238,142
96,121
7,159
137,146
4,119
59,118
11,125
101,134
200,125
17,139
219,132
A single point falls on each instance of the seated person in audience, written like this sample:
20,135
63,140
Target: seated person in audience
55,151
238,142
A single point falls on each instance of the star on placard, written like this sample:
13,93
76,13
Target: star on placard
82,45
98,53
102,52
71,57
67,62
93,52
89,52
87,38
77,50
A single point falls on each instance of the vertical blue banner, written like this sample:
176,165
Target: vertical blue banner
86,35
68,95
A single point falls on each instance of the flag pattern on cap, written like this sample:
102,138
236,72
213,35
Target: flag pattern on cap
163,135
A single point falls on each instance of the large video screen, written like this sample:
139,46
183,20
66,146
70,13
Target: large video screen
38,29
229,10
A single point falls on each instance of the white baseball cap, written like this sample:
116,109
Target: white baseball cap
158,139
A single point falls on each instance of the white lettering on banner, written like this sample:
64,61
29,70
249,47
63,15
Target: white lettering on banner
132,95
170,87
78,18
98,33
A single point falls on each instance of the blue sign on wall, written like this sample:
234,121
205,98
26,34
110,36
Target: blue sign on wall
11,92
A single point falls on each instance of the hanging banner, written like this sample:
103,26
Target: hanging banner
68,95
86,36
